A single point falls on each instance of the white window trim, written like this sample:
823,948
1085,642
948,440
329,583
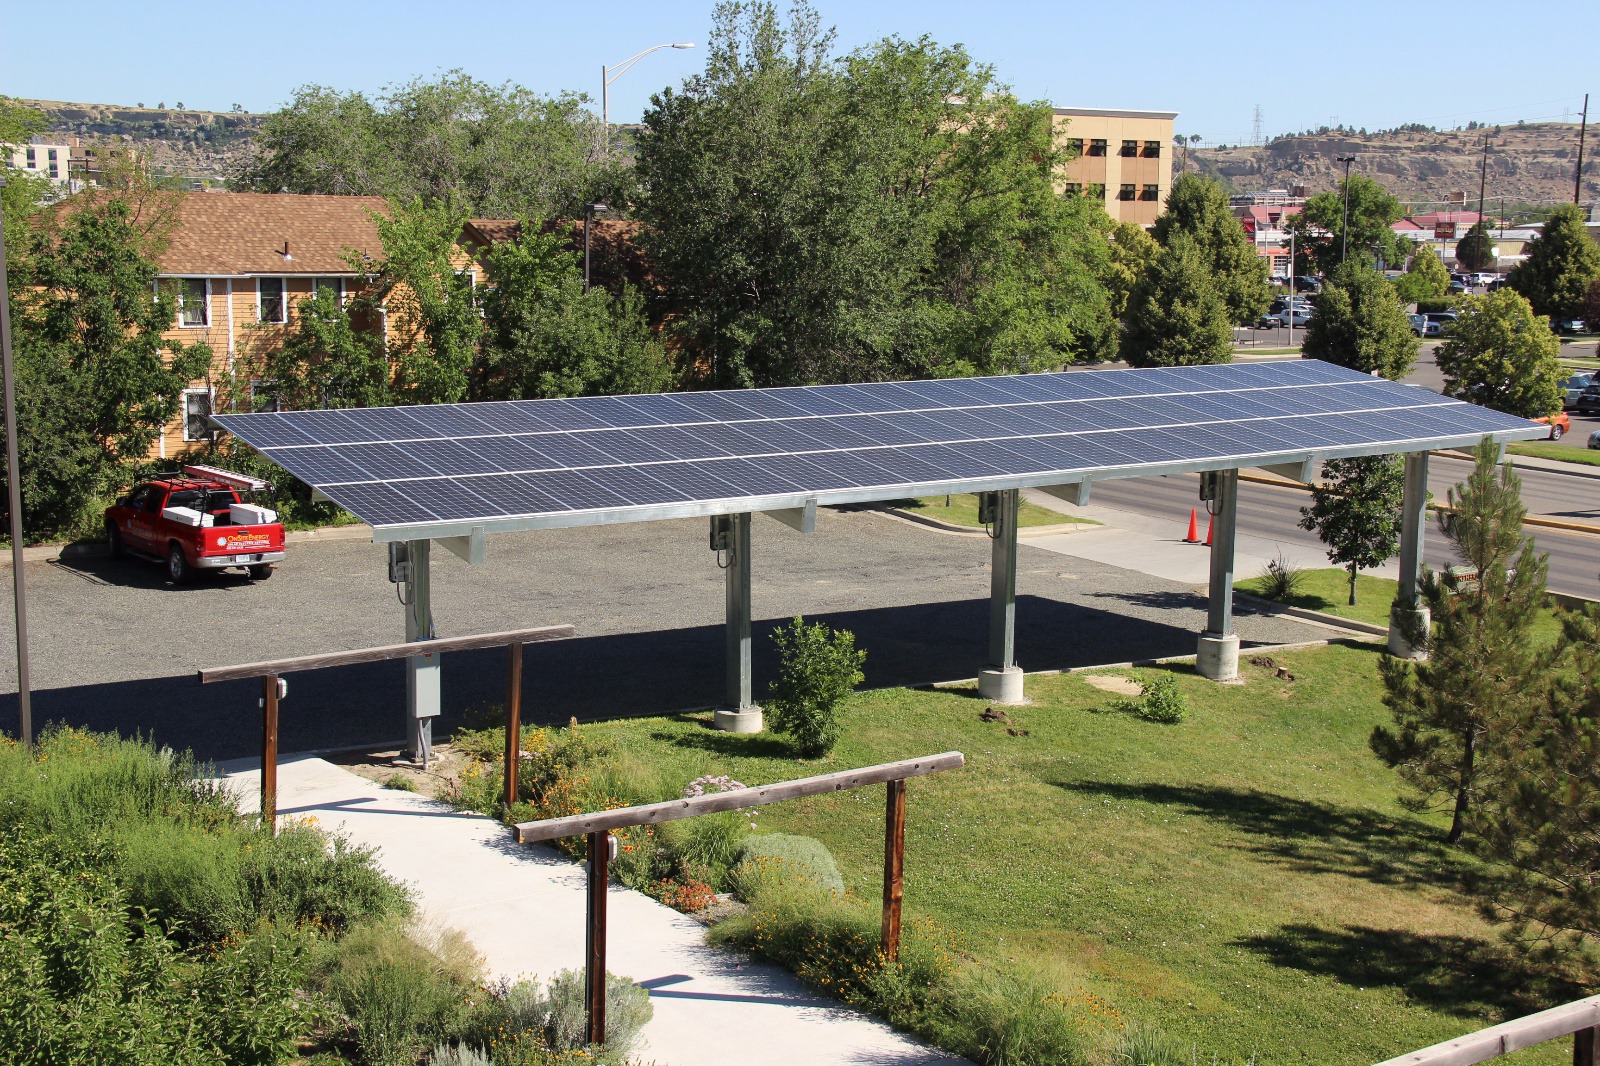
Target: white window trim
319,280
183,415
283,302
205,305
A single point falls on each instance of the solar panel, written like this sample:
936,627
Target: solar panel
528,463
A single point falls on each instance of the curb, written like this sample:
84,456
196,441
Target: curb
1592,473
1307,614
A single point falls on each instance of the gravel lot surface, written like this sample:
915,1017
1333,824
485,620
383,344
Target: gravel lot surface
116,647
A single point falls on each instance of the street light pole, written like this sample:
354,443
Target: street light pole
606,78
1344,248
19,586
589,211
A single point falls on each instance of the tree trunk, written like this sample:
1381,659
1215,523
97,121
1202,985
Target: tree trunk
1458,824
1353,584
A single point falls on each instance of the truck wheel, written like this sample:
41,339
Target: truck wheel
260,571
116,548
178,568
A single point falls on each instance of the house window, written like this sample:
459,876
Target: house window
1075,145
333,285
193,302
269,300
1097,147
1125,193
1152,149
263,396
197,414
1130,147
1150,192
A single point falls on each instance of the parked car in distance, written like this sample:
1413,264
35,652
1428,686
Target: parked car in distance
1560,423
1457,288
1588,399
1307,284
1594,439
1299,315
1495,286
1445,321
1573,387
197,519
1482,279
1422,327
1568,325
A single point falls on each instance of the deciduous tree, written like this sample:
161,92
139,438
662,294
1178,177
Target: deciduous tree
1475,250
1425,279
1501,355
1133,251
1198,208
1321,231
1355,509
1359,323
1175,315
1563,262
1483,669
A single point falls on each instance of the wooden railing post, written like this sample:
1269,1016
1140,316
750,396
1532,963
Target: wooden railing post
269,752
894,867
1585,1046
595,955
513,720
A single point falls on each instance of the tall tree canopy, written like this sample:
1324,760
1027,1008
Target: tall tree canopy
888,214
1425,279
1563,262
1198,209
1320,228
1175,315
1358,323
1501,355
1475,251
498,151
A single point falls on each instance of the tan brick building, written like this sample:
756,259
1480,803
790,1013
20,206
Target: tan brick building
1122,157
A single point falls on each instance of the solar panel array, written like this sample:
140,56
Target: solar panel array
611,458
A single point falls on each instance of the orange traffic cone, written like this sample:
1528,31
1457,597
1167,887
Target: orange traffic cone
1210,524
1193,536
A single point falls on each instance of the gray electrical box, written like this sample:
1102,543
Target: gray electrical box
1208,486
399,561
721,532
986,507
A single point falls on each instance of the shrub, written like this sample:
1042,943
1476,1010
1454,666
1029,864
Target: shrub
1281,580
1160,702
781,856
818,669
628,1010
459,1055
1142,1046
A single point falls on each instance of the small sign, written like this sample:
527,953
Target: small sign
1444,231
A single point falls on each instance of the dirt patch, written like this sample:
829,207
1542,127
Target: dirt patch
1115,684
390,770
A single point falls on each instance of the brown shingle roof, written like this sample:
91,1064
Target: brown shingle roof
222,233
495,230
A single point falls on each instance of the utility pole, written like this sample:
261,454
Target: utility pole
1483,176
1344,248
19,586
1577,174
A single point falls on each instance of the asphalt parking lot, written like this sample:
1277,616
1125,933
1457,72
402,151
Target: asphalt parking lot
116,647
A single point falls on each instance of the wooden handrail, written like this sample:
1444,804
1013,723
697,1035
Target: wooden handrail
385,652
1579,1019
688,807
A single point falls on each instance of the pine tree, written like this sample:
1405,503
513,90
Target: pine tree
1563,261
1475,251
1356,512
1175,315
1197,208
1482,672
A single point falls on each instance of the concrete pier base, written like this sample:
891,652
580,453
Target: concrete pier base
1002,685
1399,624
1218,656
738,720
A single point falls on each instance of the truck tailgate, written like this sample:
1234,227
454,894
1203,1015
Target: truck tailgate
240,540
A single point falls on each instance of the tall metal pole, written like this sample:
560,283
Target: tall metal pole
1577,174
588,221
19,585
1291,288
1344,248
605,113
1483,180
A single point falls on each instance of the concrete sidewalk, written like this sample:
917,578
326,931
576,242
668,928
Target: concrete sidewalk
523,908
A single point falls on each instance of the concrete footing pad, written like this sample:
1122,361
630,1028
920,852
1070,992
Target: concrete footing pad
1218,656
1001,685
1399,624
740,720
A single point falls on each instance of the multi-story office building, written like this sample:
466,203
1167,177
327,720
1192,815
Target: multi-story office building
1122,157
52,161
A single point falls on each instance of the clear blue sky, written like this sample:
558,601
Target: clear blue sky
1364,62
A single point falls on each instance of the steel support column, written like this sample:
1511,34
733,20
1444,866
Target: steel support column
1001,678
1218,656
422,671
738,713
1408,618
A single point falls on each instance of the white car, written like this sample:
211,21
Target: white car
1300,315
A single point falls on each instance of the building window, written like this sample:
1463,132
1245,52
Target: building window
193,302
197,414
50,154
1125,193
32,159
1130,147
264,396
333,285
1097,147
1075,145
269,301
55,169
1150,192
1152,149
1097,190
1074,188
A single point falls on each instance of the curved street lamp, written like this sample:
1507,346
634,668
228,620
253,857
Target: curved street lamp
607,77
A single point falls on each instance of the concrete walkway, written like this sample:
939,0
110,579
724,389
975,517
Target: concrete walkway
523,908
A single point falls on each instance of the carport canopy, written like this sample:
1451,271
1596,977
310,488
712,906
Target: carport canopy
457,473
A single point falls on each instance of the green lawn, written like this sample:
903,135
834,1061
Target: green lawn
963,511
1546,449
1244,880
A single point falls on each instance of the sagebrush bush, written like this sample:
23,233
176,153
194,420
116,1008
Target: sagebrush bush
772,857
628,1010
818,668
1161,701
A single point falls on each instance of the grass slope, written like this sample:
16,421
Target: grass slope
1564,453
963,511
1244,880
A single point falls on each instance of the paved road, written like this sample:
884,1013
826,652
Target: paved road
115,647
1273,513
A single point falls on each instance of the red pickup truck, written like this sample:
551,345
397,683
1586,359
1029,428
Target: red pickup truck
199,519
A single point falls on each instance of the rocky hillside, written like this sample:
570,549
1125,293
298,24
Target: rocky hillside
1527,163
204,145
